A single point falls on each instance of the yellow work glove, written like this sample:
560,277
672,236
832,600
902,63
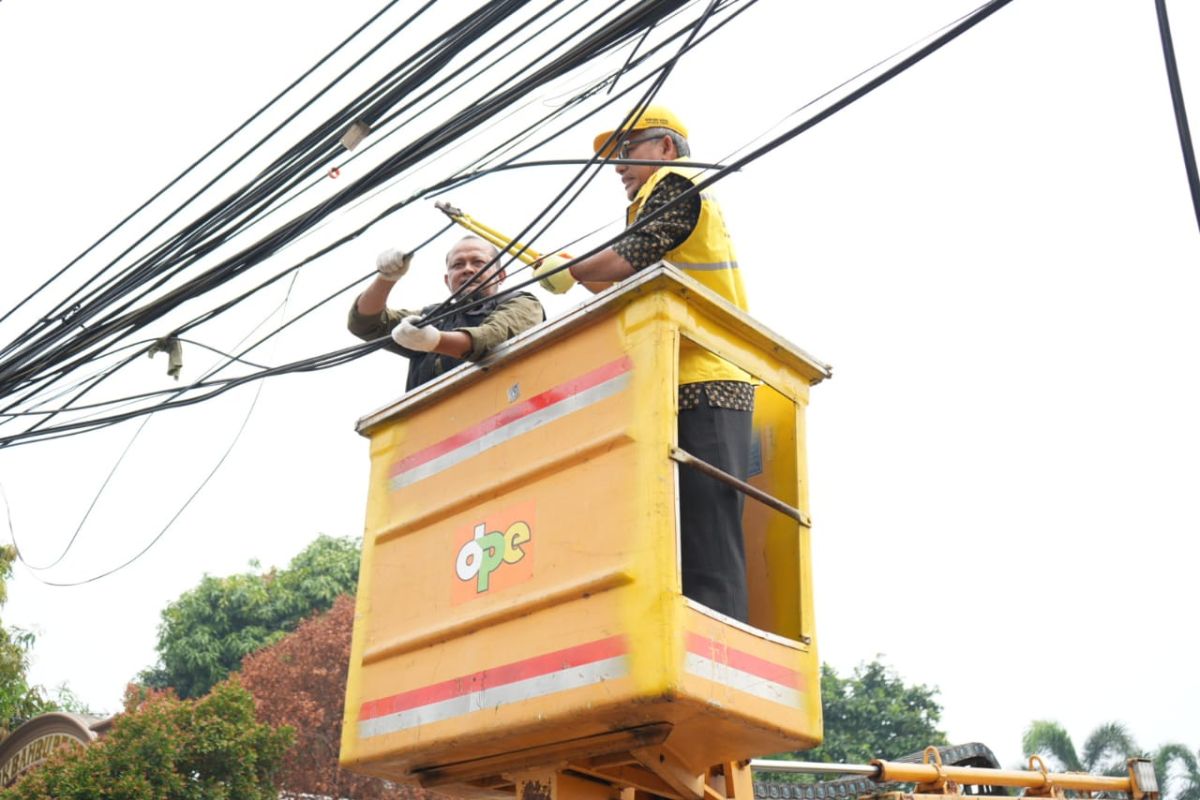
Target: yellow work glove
559,282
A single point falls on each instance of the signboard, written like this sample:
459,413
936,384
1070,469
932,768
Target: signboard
38,739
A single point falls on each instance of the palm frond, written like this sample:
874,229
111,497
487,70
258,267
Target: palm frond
1047,738
1178,772
1107,748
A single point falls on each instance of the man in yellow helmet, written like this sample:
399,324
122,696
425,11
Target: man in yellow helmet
716,399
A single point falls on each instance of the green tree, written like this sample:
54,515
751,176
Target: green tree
205,634
1105,751
873,714
162,747
1178,772
18,700
300,681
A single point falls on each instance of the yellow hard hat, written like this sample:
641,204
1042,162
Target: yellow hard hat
652,117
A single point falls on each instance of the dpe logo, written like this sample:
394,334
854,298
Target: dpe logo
494,553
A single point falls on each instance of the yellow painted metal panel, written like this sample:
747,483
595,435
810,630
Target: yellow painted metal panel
520,583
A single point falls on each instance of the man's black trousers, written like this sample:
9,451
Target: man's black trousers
714,554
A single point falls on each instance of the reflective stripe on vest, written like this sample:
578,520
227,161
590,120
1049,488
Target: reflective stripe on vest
707,256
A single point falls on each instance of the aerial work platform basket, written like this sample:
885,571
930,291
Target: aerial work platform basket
519,602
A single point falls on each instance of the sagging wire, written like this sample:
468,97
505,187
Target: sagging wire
964,24
525,284
172,299
981,13
57,312
599,159
379,137
204,382
86,514
220,462
454,182
610,79
116,466
201,159
324,361
234,206
853,78
686,46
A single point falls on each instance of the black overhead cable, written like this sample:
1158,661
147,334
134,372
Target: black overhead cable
219,386
953,32
112,472
249,195
119,325
1181,121
237,210
337,357
201,159
509,165
378,137
593,164
67,308
203,381
464,176
162,531
331,359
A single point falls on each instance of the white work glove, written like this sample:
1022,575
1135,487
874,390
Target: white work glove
559,282
392,264
407,334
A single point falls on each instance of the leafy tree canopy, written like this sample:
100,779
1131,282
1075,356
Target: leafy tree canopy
162,747
205,634
18,700
300,681
873,714
1178,772
1106,751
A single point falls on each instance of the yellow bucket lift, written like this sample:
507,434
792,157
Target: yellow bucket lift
519,614
520,626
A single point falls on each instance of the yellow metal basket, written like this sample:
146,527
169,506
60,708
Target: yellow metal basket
519,600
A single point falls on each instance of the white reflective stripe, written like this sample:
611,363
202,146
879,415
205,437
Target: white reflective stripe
706,267
512,430
574,678
742,681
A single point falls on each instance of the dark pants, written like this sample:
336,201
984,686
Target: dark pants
714,555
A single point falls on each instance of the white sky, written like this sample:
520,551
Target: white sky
996,252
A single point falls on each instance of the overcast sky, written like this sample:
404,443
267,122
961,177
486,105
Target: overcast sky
996,252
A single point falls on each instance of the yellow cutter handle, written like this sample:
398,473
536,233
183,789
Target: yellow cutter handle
484,232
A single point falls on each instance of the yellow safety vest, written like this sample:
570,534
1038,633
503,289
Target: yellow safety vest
706,255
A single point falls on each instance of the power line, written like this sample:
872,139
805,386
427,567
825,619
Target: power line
964,24
945,36
228,137
1181,120
117,324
